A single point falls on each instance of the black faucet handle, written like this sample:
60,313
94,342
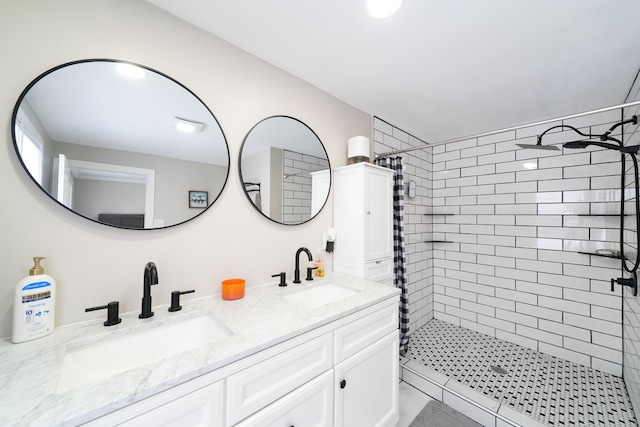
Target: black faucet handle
283,278
175,299
310,273
113,309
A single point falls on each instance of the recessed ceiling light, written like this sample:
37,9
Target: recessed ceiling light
383,8
188,126
130,70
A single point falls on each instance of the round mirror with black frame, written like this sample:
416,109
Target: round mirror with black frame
120,144
285,170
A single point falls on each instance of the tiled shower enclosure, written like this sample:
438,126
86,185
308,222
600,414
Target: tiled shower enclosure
502,241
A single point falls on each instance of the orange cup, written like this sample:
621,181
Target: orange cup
233,289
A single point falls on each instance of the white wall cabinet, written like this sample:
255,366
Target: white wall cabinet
320,186
363,218
344,373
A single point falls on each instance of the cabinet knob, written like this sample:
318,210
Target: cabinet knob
343,383
368,212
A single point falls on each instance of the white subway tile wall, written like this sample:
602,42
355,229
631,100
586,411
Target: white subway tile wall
508,264
417,225
297,185
631,304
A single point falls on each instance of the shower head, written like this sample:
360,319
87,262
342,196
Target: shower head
584,144
576,144
538,146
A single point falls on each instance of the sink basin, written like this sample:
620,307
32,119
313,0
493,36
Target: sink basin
320,295
93,362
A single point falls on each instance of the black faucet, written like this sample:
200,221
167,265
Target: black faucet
150,278
296,274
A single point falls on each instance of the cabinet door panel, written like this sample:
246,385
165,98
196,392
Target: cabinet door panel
378,235
310,405
256,387
369,394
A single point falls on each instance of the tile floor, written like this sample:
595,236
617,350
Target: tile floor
411,403
517,380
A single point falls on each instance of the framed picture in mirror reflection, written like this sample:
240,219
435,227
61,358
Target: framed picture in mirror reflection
198,199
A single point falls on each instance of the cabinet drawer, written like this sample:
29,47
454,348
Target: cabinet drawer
197,409
310,405
263,383
363,332
379,270
176,407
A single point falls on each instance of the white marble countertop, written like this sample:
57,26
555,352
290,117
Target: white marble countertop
29,371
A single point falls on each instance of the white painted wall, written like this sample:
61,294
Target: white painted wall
95,264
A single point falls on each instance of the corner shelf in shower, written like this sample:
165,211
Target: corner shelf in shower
601,255
439,241
602,215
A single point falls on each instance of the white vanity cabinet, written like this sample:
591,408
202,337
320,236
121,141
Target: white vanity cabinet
363,218
344,373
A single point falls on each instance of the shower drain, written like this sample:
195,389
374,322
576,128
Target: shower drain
498,370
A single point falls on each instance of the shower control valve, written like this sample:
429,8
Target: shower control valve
631,282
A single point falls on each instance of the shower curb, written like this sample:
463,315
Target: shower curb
502,417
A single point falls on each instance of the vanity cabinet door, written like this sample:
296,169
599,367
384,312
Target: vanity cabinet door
309,405
366,386
265,382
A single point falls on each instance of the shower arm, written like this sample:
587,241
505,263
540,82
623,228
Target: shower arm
604,137
564,126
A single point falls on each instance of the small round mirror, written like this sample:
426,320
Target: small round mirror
120,144
285,170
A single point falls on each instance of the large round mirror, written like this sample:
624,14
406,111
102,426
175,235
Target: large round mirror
120,144
285,170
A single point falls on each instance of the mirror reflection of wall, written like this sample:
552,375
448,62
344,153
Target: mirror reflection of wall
108,144
297,185
277,159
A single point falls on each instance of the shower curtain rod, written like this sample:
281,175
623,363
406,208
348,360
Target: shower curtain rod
544,122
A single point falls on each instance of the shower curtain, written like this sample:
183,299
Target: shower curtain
399,257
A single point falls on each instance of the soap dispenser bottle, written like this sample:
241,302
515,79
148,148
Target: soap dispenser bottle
34,305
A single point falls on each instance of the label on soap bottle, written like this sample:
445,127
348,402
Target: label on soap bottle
34,306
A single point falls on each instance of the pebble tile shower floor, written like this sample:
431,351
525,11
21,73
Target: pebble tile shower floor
550,390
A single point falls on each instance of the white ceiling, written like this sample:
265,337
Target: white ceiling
442,69
93,104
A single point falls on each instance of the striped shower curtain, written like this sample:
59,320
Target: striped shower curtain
399,257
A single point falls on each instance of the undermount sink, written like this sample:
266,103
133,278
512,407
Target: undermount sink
89,363
320,295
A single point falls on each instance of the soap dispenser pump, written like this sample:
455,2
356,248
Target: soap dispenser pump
34,305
